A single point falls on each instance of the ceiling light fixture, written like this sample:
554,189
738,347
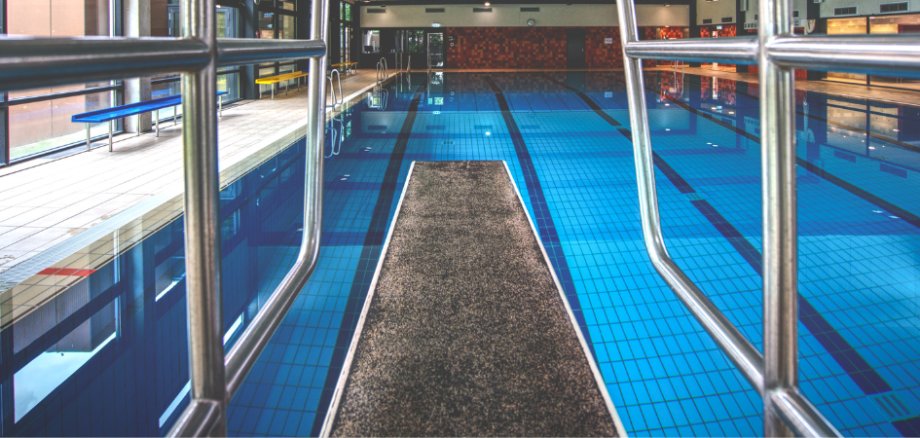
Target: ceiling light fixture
487,4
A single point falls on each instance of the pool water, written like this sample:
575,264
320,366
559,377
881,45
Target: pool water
117,365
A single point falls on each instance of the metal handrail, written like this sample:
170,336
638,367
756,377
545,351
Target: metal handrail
776,50
337,98
28,62
31,62
877,54
246,350
740,50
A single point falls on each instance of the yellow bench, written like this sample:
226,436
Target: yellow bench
276,79
347,67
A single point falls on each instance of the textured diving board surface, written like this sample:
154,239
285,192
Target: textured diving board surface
466,333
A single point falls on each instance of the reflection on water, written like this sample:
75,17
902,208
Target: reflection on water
33,382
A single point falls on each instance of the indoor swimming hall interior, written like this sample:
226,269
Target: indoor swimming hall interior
459,218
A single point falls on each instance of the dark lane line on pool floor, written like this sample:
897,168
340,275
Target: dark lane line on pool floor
542,216
905,214
859,370
370,254
811,167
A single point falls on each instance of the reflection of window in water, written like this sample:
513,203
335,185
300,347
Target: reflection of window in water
48,370
371,41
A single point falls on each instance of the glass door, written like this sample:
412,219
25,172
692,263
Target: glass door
435,50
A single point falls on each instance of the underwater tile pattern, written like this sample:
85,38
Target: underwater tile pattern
665,374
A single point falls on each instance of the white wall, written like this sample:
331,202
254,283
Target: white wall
800,6
511,15
715,10
864,7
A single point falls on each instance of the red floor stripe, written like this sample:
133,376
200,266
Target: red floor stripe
67,272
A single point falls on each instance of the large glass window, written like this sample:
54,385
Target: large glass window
37,121
371,42
40,126
58,18
228,26
277,20
345,31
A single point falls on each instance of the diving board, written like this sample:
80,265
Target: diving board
466,331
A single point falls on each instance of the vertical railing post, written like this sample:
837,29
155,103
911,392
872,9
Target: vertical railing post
202,224
316,120
780,284
638,122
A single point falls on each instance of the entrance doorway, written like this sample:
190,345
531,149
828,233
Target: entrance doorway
575,48
435,50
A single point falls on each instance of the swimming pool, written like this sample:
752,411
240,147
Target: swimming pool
565,137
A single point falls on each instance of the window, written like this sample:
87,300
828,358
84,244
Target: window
228,78
345,31
277,20
371,42
37,121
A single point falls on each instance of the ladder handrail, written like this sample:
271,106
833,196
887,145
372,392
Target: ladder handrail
776,50
338,99
27,62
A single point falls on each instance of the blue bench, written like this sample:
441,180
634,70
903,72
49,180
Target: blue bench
133,109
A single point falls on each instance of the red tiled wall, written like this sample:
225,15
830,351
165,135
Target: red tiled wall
506,47
600,55
537,47
727,31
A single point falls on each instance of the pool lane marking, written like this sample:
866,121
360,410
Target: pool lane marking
911,218
908,426
542,215
370,254
807,165
859,370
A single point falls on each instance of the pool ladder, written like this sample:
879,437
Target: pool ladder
777,52
338,99
382,71
31,62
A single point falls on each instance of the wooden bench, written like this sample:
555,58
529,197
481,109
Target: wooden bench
133,109
276,79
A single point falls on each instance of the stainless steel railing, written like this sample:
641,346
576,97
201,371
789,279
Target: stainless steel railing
777,51
338,97
27,62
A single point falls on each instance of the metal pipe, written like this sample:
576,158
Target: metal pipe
249,51
202,223
740,50
780,283
730,340
803,418
256,336
29,62
201,417
872,54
